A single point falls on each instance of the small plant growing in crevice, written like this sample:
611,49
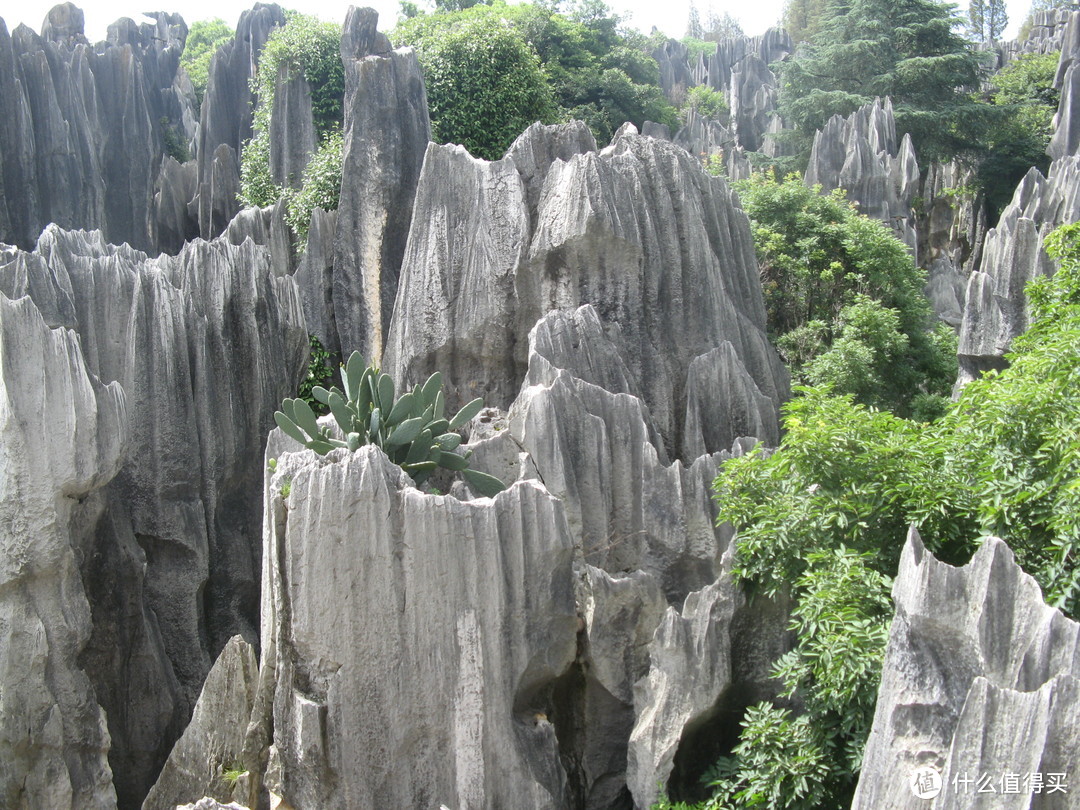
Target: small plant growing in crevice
319,372
412,430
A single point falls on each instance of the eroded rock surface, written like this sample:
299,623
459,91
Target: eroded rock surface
861,154
83,129
62,439
205,345
675,269
413,639
980,677
386,133
213,742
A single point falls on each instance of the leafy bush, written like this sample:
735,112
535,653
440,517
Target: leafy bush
708,103
1024,93
314,47
844,300
484,85
319,373
591,69
904,49
320,186
411,430
203,40
826,515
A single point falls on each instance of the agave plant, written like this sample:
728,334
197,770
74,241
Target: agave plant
412,431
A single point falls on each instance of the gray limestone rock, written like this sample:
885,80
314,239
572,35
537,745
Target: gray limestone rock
995,308
205,346
62,439
175,187
84,128
861,154
413,642
213,741
690,666
609,232
225,117
980,677
293,139
386,133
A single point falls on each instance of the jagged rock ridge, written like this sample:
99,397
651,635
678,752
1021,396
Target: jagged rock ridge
204,345
82,129
980,677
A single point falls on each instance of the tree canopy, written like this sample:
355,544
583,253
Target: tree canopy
203,40
904,49
582,65
844,299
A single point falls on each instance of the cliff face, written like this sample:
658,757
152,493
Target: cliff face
673,269
980,677
995,308
82,129
203,346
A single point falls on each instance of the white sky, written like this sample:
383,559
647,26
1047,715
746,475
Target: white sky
669,16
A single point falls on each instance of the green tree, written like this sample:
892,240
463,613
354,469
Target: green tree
802,18
203,40
592,69
309,45
721,26
694,29
825,515
843,298
905,49
987,20
1023,92
484,84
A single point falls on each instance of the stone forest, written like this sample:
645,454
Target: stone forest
501,408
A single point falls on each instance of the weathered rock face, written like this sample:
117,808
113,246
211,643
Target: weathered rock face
860,154
225,118
739,69
386,132
433,681
980,677
690,667
213,741
62,438
204,345
672,268
995,307
82,129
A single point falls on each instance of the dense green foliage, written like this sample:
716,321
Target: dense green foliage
303,44
708,103
802,18
203,40
484,83
320,186
1024,91
904,49
411,429
319,373
843,298
811,760
589,69
829,510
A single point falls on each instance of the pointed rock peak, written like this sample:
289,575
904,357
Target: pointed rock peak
64,23
360,37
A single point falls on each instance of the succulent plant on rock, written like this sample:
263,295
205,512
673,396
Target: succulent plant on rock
412,430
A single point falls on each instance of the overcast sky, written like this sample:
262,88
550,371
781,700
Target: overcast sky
668,16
